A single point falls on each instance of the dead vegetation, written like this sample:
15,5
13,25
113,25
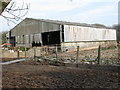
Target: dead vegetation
108,55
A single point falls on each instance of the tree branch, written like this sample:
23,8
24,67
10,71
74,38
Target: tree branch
15,13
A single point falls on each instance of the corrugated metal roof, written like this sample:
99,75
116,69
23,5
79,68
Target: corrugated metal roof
67,23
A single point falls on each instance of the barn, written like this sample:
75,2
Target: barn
43,32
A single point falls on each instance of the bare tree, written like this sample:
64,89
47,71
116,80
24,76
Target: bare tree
14,13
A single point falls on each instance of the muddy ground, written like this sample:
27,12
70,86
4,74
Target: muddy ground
32,74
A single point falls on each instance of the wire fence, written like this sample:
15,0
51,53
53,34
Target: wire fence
102,55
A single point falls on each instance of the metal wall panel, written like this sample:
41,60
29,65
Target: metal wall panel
37,37
79,33
18,39
26,39
31,38
22,39
26,28
31,26
32,29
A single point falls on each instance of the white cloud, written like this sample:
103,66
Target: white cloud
57,5
41,8
60,5
45,8
101,11
34,15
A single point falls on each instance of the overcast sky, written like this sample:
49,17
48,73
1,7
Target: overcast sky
82,11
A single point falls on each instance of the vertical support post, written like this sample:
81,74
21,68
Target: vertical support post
77,58
25,52
40,51
107,62
18,53
43,51
99,53
118,50
56,52
34,52
48,50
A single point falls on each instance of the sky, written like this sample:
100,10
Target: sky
82,11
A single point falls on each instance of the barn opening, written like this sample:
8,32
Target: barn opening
12,41
51,38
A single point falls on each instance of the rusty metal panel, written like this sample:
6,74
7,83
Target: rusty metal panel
79,33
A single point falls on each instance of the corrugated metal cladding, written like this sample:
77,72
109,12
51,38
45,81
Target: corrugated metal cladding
30,30
32,26
79,33
71,34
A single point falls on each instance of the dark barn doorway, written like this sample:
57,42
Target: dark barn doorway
12,41
51,38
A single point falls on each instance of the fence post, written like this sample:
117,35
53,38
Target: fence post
118,44
25,52
40,51
18,53
99,53
77,58
56,52
48,50
43,51
34,52
107,62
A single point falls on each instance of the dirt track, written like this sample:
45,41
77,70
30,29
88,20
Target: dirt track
30,74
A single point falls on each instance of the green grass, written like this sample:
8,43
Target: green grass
18,48
110,47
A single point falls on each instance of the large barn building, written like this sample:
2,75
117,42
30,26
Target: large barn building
65,34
